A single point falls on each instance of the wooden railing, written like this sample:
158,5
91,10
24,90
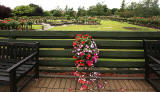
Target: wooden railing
120,52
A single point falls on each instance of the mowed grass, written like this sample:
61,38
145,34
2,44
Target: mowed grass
106,25
36,27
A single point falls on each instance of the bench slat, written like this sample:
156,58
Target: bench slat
114,44
101,63
72,34
103,54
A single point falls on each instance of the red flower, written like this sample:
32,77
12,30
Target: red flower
88,55
74,43
83,42
90,37
82,64
87,58
77,38
79,35
90,63
77,61
82,81
84,87
86,34
74,57
81,61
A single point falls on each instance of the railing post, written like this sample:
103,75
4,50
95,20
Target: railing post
37,63
11,36
12,78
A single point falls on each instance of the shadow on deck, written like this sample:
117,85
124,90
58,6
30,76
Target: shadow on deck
70,85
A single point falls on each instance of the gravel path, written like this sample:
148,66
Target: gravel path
47,26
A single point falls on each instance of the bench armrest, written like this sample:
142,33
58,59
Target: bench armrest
154,59
21,62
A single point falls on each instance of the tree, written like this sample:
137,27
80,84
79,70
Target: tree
56,12
5,12
123,5
136,8
47,13
81,12
23,10
114,10
147,8
69,12
98,10
38,11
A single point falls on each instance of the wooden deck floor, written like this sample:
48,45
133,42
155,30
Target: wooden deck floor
69,85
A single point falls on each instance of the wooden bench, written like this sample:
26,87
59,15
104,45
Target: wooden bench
152,63
17,59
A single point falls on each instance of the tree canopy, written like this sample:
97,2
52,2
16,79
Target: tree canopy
99,10
5,12
23,10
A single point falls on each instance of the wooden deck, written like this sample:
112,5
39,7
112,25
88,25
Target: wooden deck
70,84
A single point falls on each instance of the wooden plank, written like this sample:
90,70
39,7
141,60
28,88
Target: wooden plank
29,89
63,83
4,33
101,63
132,84
118,71
42,82
4,88
52,83
68,83
119,44
57,83
106,85
73,84
50,90
95,34
43,90
67,43
103,54
48,43
47,82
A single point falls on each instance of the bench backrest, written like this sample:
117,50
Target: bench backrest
152,47
122,50
16,50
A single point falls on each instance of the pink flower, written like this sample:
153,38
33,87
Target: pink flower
81,54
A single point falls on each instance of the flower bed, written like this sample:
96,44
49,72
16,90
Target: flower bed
88,21
149,22
10,24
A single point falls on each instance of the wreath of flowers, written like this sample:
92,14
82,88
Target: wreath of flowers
86,55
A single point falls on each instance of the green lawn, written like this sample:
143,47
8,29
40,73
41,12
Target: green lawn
106,25
36,27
